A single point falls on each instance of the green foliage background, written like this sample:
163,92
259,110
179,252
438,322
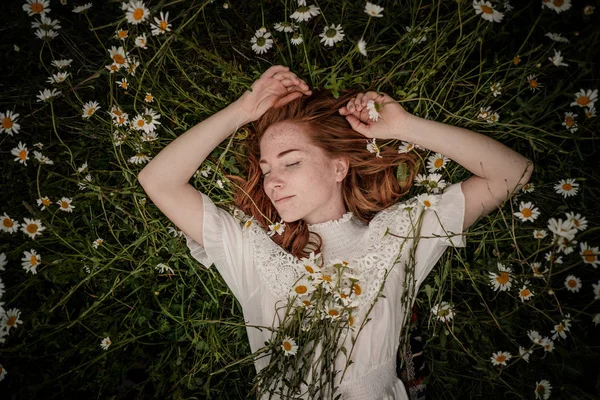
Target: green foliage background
181,336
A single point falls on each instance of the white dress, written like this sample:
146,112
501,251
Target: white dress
260,273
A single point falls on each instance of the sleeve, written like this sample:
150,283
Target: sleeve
440,229
223,246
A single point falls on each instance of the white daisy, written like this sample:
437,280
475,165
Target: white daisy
502,280
547,344
569,122
305,13
527,212
42,159
487,11
585,98
561,328
525,353
562,228
136,12
58,77
535,337
557,5
141,41
117,54
90,108
596,288
44,202
428,201
495,89
36,7
567,187
362,47
285,26
373,110
21,152
590,255
577,220
65,204
11,319
261,41
43,35
443,311
46,24
7,224
105,343
557,37
534,84
30,261
542,389
147,121
373,148
148,98
525,293
373,10
435,183
590,112
9,122
528,187
436,162
83,8
47,94
276,228
161,25
296,39
60,64
406,147
332,34
98,242
121,34
289,346
552,258
573,283
139,158
302,287
123,83
557,59
164,269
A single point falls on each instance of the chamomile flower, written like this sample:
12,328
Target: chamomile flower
289,346
83,8
557,37
589,254
148,98
285,26
557,59
45,34
565,245
59,77
117,54
47,94
303,287
561,328
7,224
310,264
11,319
276,228
428,201
535,337
261,41
96,243
141,41
9,122
296,39
527,212
557,5
139,158
46,24
596,288
495,89
560,228
487,11
596,319
147,121
123,83
585,98
406,147
373,148
164,269
569,122
305,13
419,35
122,34
533,83
589,10
42,159
553,258
136,12
525,353
161,25
535,266
373,110
44,202
573,283
21,152
443,311
500,358
37,7
528,187
131,65
332,34
436,162
543,389
60,64
90,108
373,10
332,312
105,343
362,47
65,204
30,261
525,293
435,183
590,112
501,281
567,187
547,344
484,113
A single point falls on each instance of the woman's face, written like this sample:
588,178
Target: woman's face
301,180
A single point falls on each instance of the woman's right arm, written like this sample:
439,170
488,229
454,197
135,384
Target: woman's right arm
166,177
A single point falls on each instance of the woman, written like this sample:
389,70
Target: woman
314,188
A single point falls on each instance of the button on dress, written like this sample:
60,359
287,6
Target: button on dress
260,273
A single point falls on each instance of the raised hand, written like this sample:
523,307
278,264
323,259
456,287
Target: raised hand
276,87
388,113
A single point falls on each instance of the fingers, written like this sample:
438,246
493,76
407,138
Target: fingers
358,103
358,125
274,69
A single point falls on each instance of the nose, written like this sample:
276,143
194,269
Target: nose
273,181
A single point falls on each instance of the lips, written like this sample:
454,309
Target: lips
283,199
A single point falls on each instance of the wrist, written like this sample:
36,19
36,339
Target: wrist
239,114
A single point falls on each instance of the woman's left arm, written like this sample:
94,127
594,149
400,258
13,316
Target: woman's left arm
499,172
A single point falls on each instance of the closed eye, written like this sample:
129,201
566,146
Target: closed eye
288,165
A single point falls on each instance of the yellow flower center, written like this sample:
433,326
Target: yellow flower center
119,59
567,187
91,111
8,222
357,289
560,327
248,224
163,25
287,346
149,97
7,123
536,271
46,202
121,120
438,163
307,303
309,269
503,278
333,313
501,358
113,67
572,283
525,292
64,204
589,256
11,321
301,289
138,14
569,121
351,320
23,154
427,203
327,278
140,122
32,228
37,7
124,85
122,34
486,9
516,60
526,212
533,83
34,260
583,100
558,3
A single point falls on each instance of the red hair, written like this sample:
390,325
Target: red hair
370,186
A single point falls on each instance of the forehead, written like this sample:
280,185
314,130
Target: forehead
283,136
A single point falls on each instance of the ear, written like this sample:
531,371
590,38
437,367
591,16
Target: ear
341,168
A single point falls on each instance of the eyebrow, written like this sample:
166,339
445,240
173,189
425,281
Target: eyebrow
283,153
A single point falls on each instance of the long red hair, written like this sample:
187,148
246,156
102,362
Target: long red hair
370,186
